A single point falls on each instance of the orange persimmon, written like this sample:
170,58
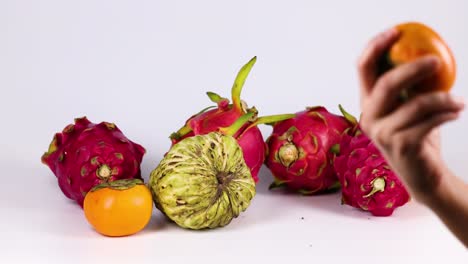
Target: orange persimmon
119,208
417,40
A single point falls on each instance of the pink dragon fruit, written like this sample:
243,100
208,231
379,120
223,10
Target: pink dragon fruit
87,154
226,114
366,179
300,151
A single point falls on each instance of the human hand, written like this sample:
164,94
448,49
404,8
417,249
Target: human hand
405,132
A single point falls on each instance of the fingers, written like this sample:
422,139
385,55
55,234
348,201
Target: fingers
405,129
386,93
413,135
367,65
435,138
420,108
408,140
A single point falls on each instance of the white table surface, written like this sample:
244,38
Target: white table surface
42,226
145,65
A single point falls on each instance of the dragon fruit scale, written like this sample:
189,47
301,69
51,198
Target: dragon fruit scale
367,182
300,156
225,114
85,154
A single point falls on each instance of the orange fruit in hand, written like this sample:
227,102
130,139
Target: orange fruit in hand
119,208
417,40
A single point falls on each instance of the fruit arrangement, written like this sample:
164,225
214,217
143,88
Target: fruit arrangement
208,176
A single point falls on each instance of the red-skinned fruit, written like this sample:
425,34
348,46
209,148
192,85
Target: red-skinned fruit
367,182
224,115
300,156
85,154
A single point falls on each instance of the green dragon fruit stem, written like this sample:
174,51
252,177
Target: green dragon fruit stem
240,122
239,83
269,120
272,119
186,128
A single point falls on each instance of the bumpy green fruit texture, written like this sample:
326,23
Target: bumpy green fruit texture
203,182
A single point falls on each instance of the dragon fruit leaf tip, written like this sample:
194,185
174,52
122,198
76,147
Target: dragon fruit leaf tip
214,97
277,184
347,115
85,154
223,119
239,83
222,103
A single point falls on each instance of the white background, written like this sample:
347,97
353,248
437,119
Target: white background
145,65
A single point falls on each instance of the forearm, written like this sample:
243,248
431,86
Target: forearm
450,203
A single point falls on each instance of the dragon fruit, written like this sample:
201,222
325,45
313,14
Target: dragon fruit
224,115
367,181
85,154
300,156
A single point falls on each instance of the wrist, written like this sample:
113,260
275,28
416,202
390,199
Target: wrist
443,192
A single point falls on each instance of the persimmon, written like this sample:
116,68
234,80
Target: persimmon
119,208
417,40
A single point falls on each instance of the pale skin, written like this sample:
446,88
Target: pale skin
407,132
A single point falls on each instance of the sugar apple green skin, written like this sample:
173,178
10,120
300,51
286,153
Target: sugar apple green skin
203,182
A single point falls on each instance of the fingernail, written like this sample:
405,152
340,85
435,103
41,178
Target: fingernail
390,32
